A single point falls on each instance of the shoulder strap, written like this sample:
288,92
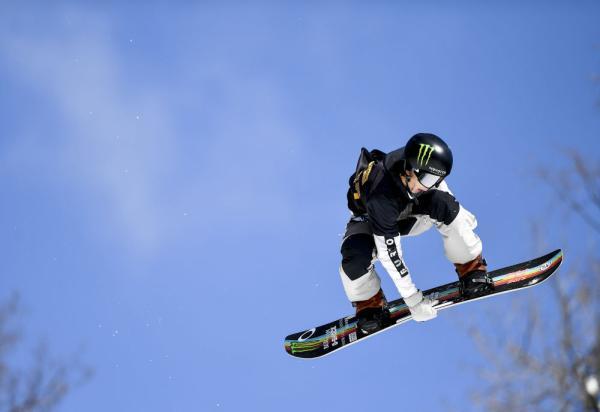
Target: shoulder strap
364,166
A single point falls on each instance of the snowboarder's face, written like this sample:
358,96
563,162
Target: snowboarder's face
413,183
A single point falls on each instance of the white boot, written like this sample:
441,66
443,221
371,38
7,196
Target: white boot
421,308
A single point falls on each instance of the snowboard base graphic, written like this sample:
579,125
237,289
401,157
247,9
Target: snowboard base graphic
330,337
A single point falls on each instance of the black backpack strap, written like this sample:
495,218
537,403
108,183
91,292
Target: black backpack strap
364,166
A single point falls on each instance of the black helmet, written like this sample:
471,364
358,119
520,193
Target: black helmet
429,157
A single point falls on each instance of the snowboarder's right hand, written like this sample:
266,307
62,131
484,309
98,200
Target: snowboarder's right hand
421,308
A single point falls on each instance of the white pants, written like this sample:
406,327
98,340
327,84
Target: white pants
359,278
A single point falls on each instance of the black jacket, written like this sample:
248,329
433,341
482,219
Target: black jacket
388,203
382,196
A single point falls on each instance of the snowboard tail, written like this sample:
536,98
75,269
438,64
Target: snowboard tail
330,337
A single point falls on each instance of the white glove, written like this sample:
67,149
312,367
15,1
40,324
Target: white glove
421,309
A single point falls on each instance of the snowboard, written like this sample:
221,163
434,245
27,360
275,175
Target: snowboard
333,336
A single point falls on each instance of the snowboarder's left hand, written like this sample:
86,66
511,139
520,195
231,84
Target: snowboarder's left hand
421,308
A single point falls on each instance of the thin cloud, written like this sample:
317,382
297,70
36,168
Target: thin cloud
122,143
114,144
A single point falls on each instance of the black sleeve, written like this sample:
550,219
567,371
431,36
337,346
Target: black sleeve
438,205
383,214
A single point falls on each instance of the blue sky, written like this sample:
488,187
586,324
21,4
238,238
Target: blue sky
174,183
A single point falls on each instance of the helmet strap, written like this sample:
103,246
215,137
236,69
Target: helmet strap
407,178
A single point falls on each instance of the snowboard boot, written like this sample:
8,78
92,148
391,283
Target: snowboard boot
371,313
473,277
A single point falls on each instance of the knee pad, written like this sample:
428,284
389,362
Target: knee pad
357,255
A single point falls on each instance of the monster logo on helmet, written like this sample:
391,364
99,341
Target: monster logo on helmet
429,157
425,151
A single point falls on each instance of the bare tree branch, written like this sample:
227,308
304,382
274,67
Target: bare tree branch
546,368
563,188
44,383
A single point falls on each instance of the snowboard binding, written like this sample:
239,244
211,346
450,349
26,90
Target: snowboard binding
371,320
372,314
474,278
476,283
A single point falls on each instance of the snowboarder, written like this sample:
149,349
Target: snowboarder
404,193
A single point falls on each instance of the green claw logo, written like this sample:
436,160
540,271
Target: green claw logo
425,152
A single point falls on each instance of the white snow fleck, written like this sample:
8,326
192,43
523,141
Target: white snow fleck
591,385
